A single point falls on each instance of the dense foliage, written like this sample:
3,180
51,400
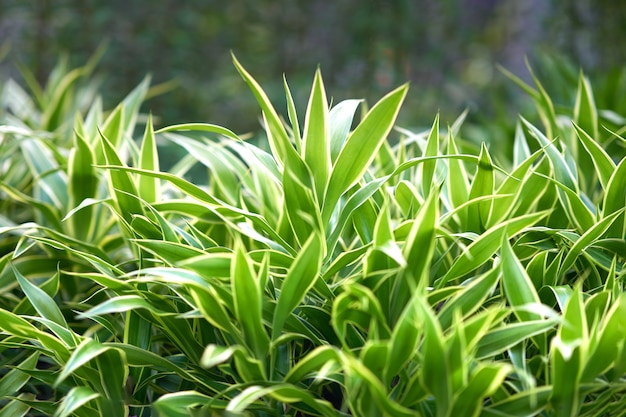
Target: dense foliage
342,267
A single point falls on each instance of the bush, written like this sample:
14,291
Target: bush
332,272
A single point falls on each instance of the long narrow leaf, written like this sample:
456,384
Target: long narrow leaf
42,302
282,147
340,121
300,279
361,148
316,137
248,303
431,149
148,187
479,251
602,162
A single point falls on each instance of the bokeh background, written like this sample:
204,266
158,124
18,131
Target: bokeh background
448,49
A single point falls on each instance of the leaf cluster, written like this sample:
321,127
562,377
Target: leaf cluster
351,268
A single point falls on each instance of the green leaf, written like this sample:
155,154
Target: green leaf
17,408
214,264
17,326
132,103
199,127
293,116
148,187
75,398
249,369
502,338
301,399
457,180
435,376
59,98
364,220
247,295
470,298
210,209
371,392
225,167
138,331
113,131
361,148
431,149
565,375
13,380
482,185
420,244
355,201
85,352
340,121
314,364
316,137
357,305
281,392
121,184
481,250
281,146
113,377
611,341
120,304
32,84
138,357
560,293
521,150
418,252
300,202
562,171
214,355
384,241
263,163
577,212
543,102
458,355
82,185
211,300
301,277
404,340
518,287
602,162
170,252
585,111
615,200
42,302
96,261
588,238
178,404
523,404
513,190
51,183
484,381
65,334
574,327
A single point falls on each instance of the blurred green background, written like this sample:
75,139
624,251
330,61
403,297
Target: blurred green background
447,49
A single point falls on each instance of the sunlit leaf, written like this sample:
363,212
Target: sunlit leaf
299,280
360,148
316,136
486,245
75,398
248,303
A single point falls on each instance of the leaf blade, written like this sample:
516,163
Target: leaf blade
361,147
